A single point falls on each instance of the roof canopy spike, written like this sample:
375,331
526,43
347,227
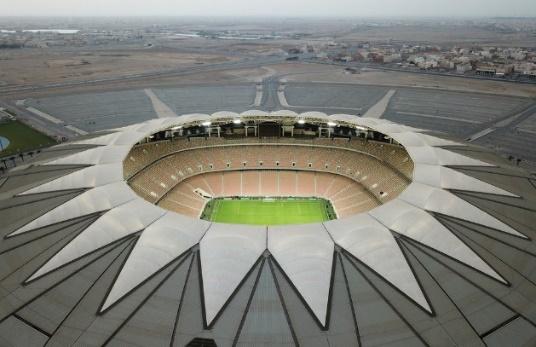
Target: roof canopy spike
228,252
417,224
442,201
117,223
447,178
159,244
373,244
305,253
94,200
89,177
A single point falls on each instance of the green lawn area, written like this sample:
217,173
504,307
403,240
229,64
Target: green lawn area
262,211
22,138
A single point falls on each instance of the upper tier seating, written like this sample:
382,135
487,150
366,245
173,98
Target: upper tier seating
142,155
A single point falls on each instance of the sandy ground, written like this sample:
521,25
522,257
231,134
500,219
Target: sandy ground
205,78
302,72
46,66
334,74
251,75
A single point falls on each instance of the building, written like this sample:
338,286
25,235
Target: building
392,58
463,68
486,70
505,69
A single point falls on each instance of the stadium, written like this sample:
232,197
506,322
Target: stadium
267,229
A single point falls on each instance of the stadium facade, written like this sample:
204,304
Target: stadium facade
89,259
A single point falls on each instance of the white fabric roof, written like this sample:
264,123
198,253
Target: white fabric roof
304,252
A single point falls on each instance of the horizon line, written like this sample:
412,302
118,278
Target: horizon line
270,16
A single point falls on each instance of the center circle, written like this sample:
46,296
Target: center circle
269,173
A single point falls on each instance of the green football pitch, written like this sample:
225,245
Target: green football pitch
264,211
22,138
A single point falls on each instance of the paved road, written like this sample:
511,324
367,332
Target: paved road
160,108
270,101
60,131
379,109
50,128
490,121
509,122
506,138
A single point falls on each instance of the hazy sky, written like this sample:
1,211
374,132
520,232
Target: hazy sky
284,8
